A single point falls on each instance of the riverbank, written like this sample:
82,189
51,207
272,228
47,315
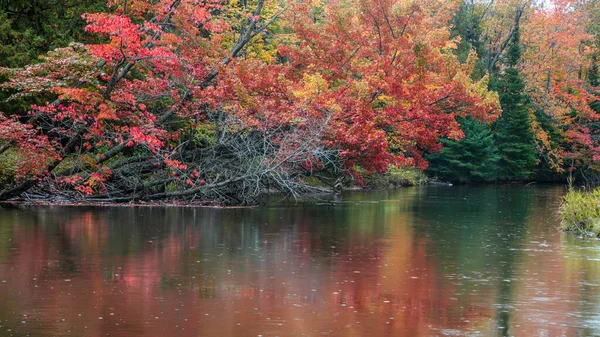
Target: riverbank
315,190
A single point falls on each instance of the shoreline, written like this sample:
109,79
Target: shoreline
9,204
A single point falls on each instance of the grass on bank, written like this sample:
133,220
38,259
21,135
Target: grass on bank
580,211
396,177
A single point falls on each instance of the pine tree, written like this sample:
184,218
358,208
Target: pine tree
472,159
475,157
514,136
31,28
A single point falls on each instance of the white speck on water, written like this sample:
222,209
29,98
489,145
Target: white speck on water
100,317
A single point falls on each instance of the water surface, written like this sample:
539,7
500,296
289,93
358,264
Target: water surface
433,261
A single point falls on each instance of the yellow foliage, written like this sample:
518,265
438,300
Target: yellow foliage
385,101
313,85
544,145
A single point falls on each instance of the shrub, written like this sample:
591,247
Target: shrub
580,211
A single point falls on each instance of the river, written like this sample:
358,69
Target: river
427,261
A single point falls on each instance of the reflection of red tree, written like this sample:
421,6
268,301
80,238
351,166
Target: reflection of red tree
376,288
398,290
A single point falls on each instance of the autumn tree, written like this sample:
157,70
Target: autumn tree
220,101
485,28
386,67
559,53
559,42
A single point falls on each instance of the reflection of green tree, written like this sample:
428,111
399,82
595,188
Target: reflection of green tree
510,230
362,218
475,229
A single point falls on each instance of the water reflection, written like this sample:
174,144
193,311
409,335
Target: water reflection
476,261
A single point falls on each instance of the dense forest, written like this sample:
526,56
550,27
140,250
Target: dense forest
218,101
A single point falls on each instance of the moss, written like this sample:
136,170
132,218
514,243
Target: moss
8,166
580,211
205,135
314,182
66,164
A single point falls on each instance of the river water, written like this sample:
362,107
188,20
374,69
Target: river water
431,261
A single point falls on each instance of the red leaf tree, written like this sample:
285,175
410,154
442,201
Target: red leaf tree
221,100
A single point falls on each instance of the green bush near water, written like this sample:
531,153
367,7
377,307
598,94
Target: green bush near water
396,177
580,211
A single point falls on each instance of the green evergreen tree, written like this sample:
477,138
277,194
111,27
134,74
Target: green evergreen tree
475,157
31,28
471,159
514,136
